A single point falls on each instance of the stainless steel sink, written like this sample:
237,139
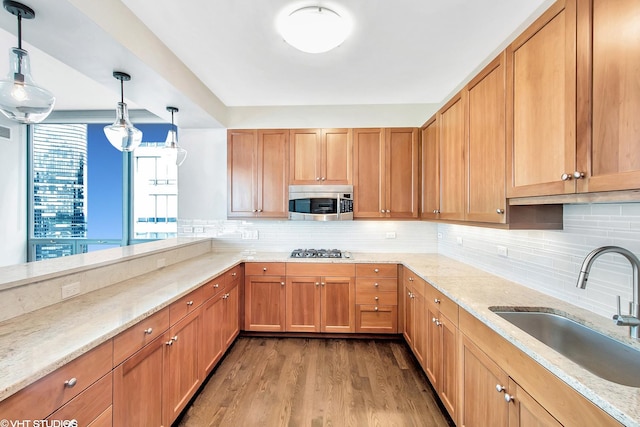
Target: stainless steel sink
597,353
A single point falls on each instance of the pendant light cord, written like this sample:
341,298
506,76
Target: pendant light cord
19,31
121,90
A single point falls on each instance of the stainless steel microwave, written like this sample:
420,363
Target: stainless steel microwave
321,202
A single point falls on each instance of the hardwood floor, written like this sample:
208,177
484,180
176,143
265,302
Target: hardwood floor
316,382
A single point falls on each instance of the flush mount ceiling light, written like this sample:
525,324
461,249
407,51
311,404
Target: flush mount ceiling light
314,29
172,150
21,99
122,134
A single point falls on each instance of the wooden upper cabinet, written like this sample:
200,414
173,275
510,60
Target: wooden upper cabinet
486,198
452,159
541,106
368,170
608,95
257,169
430,170
321,156
385,173
401,172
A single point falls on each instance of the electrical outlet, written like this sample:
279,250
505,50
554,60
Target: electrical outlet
502,251
459,241
161,262
250,235
198,229
70,290
390,235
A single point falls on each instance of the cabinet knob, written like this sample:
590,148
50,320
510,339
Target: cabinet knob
189,303
255,210
436,300
70,383
217,285
388,211
375,270
376,298
148,331
317,178
570,176
175,338
375,285
375,309
317,283
281,283
436,211
322,179
322,283
234,274
411,279
578,175
264,268
508,398
170,342
259,210
500,388
381,210
500,211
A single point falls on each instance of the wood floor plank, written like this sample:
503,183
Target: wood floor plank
308,382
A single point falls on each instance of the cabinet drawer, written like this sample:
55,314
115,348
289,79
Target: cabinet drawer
376,270
234,274
185,305
377,319
445,305
376,297
37,401
89,405
213,287
264,269
381,285
139,335
104,420
320,269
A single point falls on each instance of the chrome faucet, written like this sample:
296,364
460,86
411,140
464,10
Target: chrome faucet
633,318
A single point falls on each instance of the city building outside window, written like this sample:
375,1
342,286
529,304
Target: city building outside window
78,201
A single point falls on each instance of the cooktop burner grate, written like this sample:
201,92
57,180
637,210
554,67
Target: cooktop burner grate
316,253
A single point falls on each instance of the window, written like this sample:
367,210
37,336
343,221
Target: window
79,202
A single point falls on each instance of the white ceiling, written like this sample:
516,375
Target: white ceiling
208,55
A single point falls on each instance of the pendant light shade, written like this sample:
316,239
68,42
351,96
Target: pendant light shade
21,99
173,152
122,134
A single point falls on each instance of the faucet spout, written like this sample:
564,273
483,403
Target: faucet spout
632,320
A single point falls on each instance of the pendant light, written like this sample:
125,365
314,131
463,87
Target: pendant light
172,150
122,134
21,99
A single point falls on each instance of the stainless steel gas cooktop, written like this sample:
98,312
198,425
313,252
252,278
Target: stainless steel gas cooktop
319,253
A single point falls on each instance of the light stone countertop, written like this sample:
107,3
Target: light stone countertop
35,344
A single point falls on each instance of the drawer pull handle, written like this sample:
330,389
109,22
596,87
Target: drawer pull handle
148,331
189,303
70,383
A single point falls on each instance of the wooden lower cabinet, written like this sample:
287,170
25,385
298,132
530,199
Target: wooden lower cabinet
230,315
92,407
139,384
212,346
415,316
264,303
337,304
490,398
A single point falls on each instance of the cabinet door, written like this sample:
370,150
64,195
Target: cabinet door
265,303
273,178
421,334
448,388
368,173
231,316
182,356
452,159
337,153
433,351
486,199
401,172
306,156
609,55
541,104
303,304
409,314
524,411
211,345
242,171
481,403
337,304
139,384
430,171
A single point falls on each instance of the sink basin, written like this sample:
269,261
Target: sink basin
597,353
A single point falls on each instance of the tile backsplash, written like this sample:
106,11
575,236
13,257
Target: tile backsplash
284,236
550,261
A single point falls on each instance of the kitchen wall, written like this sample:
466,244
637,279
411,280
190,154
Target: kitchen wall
13,195
550,260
